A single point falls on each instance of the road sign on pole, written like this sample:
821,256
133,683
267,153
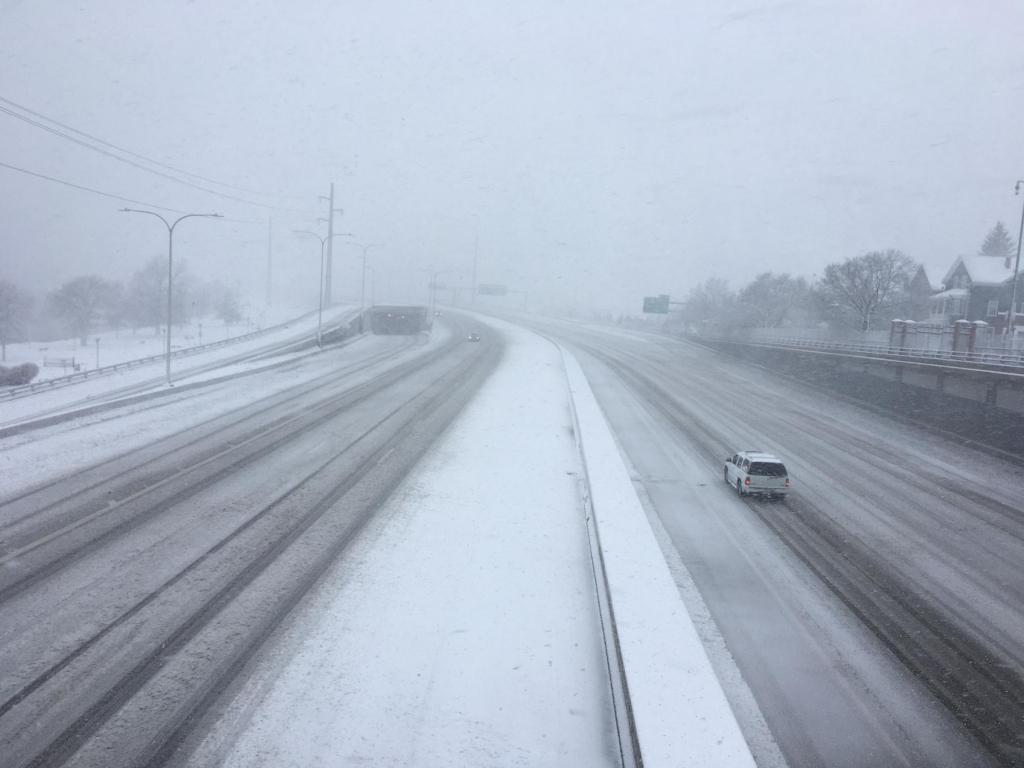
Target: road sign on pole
657,305
486,289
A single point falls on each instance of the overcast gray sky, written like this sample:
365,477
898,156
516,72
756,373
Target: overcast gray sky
624,148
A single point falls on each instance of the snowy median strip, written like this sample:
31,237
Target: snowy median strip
670,705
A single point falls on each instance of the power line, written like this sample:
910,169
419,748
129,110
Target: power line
114,197
89,189
143,157
102,151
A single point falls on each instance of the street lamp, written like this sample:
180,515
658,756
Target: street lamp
320,310
433,283
170,261
362,287
1016,266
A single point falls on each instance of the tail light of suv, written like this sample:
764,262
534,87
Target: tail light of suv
787,482
747,481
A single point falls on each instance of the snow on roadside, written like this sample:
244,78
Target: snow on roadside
80,393
462,629
121,346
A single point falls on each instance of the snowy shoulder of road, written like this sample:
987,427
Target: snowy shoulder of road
462,628
112,347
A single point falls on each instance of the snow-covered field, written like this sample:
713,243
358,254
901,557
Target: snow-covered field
125,345
86,392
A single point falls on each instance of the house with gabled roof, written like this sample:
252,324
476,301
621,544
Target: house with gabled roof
927,279
974,288
926,282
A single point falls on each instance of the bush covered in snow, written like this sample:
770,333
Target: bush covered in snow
19,374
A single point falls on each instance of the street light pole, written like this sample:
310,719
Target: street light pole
1016,266
320,310
433,283
170,265
329,275
362,284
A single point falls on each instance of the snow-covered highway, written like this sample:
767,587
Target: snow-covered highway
384,553
876,615
135,584
387,551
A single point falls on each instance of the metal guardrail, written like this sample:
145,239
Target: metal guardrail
73,378
1002,358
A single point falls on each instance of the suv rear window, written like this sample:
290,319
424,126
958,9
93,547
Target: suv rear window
773,469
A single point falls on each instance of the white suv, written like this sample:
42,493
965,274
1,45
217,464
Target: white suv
757,472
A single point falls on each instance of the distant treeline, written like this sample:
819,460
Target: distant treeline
87,304
862,292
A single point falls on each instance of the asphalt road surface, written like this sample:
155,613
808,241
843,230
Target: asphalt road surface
134,591
877,614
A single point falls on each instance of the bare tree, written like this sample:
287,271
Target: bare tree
15,308
710,302
115,308
865,287
227,308
147,294
769,297
204,293
78,302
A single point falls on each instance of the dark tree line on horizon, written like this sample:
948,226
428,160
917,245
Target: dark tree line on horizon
861,292
88,304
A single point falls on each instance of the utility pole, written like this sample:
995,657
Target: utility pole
330,249
270,243
320,311
1016,268
329,264
362,282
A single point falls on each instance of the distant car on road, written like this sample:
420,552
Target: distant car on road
474,337
757,472
437,313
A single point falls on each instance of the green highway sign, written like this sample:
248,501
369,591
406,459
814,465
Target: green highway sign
485,289
657,305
